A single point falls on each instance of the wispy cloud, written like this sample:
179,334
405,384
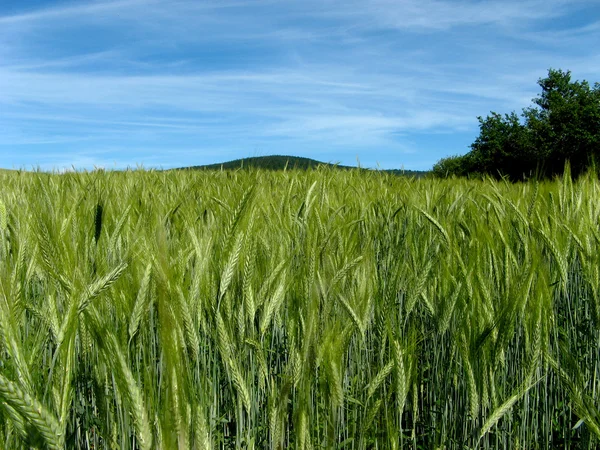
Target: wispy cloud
377,78
68,11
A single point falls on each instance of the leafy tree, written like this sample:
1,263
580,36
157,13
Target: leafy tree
459,165
565,122
502,147
562,125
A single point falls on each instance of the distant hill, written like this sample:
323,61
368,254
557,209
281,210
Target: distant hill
281,162
275,162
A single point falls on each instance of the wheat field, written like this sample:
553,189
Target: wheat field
298,309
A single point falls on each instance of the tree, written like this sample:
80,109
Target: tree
502,147
562,125
459,166
565,122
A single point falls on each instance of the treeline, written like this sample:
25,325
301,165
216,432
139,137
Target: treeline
562,125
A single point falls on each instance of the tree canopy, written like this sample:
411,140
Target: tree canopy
563,124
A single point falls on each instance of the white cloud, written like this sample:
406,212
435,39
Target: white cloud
320,73
99,9
441,14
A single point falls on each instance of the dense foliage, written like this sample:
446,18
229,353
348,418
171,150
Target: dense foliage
562,126
300,309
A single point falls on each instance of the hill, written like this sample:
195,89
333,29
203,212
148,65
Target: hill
281,162
274,162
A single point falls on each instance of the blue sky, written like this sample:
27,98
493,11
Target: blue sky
170,83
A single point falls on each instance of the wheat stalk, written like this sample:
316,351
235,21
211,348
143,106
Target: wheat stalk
32,410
